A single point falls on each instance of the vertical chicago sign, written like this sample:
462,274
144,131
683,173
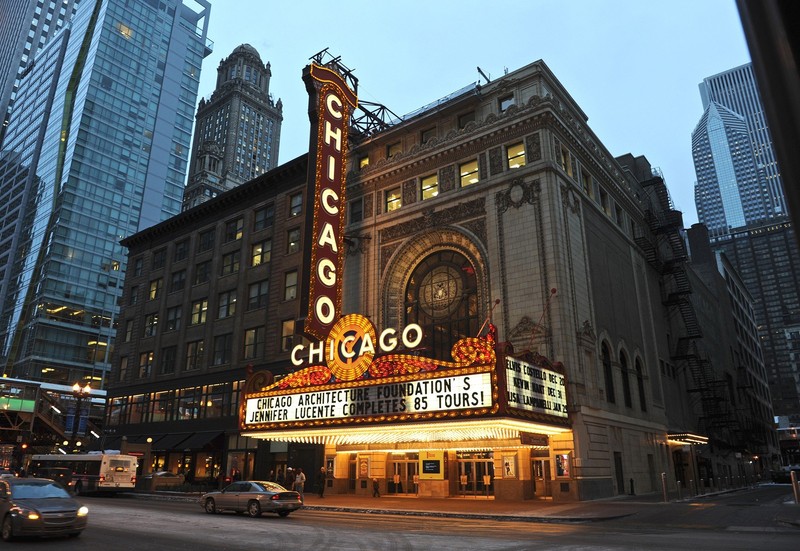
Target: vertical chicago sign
331,102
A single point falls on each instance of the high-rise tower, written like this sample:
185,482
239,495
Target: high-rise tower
740,198
238,129
26,26
96,150
736,89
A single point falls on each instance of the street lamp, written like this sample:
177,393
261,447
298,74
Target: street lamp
80,392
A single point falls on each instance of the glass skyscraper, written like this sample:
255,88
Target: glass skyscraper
96,150
26,26
740,198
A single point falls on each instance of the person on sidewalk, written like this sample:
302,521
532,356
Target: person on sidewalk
376,489
299,482
322,476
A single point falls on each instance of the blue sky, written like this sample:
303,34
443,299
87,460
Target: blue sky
633,66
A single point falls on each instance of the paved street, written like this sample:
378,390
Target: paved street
759,518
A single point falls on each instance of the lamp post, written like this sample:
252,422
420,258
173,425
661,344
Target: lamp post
80,392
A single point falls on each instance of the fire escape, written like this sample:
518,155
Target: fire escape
665,250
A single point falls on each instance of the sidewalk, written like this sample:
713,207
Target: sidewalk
487,508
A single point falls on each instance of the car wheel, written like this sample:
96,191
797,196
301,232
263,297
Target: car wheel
8,529
210,507
254,509
283,513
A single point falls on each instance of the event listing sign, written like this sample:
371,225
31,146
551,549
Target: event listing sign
536,389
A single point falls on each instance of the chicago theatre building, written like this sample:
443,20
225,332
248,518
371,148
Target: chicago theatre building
456,303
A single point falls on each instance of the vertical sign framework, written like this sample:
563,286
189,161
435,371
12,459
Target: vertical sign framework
331,102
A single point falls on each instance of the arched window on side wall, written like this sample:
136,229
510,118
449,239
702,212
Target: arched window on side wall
608,373
626,382
640,383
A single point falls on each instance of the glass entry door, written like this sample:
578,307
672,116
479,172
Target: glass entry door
475,473
541,477
402,472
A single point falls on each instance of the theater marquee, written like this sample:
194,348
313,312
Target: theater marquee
357,383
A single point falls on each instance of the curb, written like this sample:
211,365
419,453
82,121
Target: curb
403,512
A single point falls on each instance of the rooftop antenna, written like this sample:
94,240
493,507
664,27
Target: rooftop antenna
488,317
488,80
538,326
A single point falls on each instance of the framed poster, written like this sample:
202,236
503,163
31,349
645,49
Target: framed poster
509,466
562,465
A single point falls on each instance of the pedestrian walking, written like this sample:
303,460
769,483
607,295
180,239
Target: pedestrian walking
322,476
290,474
280,478
299,482
376,489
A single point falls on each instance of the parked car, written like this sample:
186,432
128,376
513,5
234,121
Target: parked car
165,476
252,497
39,507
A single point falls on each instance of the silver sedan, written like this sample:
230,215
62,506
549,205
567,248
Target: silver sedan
252,497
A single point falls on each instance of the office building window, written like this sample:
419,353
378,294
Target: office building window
296,204
145,364
138,266
293,241
427,134
173,318
181,250
363,162
194,354
290,286
257,295
202,272
155,288
263,218
429,187
227,304
586,182
230,263
205,241
159,258
469,172
261,252
150,325
465,118
123,368
223,349
516,155
234,229
287,335
128,331
167,361
393,199
254,340
392,149
506,102
133,297
178,281
199,311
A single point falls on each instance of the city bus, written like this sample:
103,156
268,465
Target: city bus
87,472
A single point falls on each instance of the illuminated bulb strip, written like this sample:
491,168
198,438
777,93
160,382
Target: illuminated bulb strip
496,429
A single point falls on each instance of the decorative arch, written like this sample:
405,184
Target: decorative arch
411,253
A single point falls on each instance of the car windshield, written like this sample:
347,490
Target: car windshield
34,491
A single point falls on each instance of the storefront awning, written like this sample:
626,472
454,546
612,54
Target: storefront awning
198,440
171,441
